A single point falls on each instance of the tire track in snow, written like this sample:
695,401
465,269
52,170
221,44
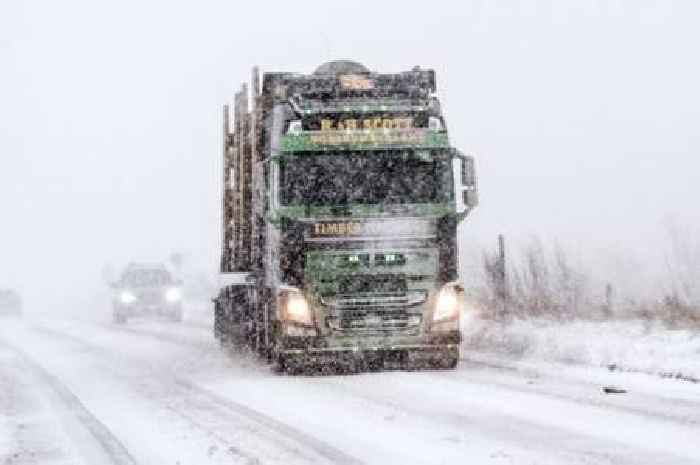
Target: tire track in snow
515,371
535,433
568,446
326,450
674,410
525,373
108,442
322,449
199,325
161,336
188,417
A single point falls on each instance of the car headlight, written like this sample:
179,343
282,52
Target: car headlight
127,297
173,294
447,305
294,307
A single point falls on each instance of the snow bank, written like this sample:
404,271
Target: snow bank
619,345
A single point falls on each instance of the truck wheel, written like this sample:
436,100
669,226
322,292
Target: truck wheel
279,364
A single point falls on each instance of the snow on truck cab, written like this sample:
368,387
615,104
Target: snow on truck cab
146,289
341,200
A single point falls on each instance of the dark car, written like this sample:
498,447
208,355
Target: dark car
146,289
10,302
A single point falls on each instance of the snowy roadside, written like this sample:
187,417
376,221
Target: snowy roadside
627,346
31,431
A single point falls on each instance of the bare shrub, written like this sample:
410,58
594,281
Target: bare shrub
489,294
543,281
683,265
539,283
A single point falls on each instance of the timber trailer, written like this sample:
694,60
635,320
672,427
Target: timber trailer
341,201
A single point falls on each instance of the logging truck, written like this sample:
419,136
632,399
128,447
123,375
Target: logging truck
341,201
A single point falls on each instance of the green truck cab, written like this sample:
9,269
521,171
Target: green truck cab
342,197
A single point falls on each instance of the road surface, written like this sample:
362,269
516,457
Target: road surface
152,392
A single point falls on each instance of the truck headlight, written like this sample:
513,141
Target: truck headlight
127,297
447,305
173,294
294,307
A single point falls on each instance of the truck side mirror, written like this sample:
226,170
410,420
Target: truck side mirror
466,192
468,172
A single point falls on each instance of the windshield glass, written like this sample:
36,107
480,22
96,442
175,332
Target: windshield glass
370,177
146,278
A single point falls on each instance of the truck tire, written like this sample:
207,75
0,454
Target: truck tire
279,364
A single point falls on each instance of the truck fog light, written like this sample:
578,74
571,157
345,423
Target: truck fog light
126,297
447,307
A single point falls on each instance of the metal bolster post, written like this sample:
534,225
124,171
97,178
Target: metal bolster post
225,264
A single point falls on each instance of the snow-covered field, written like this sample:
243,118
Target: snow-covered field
154,392
635,345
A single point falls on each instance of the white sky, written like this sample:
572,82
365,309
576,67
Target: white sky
584,116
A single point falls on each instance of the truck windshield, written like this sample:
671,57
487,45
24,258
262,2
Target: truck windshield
146,278
371,177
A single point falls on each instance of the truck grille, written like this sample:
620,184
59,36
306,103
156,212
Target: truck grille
387,301
374,303
364,284
369,321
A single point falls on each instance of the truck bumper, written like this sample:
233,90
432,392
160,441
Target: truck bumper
439,350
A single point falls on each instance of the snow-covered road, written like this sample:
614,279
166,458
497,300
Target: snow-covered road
162,393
